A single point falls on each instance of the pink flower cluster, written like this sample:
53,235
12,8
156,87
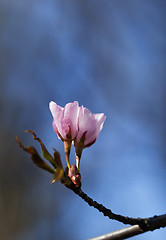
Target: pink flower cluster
77,124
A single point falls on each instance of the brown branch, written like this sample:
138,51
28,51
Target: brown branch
121,234
139,225
68,178
154,223
142,222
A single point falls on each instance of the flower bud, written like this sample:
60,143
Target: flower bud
75,175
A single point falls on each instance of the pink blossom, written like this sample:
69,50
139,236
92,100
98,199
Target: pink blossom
65,120
77,124
89,126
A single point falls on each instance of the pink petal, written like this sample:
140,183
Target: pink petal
70,119
100,118
57,113
55,109
65,119
86,123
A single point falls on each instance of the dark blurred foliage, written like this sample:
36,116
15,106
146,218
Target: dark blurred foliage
110,56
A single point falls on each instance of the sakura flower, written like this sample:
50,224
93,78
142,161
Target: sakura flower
65,124
89,126
65,120
76,124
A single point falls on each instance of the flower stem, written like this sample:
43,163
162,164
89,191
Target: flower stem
67,147
78,153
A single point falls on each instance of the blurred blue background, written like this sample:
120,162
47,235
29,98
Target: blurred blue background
111,57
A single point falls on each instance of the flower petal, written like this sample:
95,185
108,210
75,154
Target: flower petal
65,119
57,113
86,123
100,118
55,109
70,119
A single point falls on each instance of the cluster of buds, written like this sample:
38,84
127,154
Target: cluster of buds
73,125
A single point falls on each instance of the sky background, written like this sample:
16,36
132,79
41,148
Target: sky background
110,56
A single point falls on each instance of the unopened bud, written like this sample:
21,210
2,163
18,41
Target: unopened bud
74,175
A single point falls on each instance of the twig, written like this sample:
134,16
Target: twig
139,225
142,222
154,223
121,234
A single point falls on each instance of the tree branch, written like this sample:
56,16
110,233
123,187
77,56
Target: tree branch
121,234
154,223
139,225
68,178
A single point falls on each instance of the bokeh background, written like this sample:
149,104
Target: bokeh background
109,55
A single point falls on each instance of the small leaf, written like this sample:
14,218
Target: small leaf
45,152
59,172
57,158
38,161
